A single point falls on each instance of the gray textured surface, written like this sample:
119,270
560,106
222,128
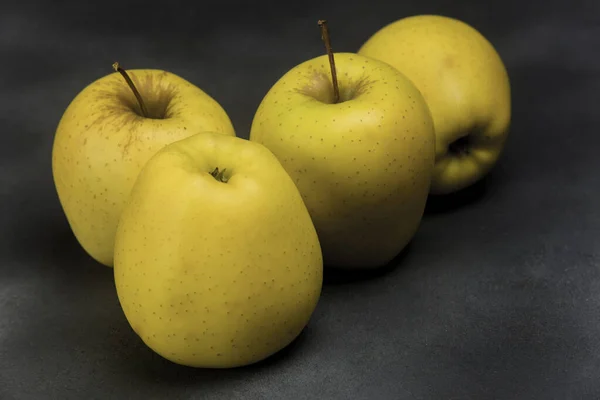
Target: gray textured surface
498,296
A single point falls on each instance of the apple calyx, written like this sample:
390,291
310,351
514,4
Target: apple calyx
327,40
219,175
460,147
123,73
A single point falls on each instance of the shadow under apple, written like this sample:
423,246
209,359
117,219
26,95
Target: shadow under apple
335,275
444,203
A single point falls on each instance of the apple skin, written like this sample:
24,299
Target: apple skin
212,274
465,84
102,142
362,165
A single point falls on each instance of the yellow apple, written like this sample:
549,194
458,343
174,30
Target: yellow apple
217,262
465,84
363,164
103,140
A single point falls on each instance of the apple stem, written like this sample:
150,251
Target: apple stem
120,70
325,37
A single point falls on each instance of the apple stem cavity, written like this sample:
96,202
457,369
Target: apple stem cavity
120,70
327,40
219,175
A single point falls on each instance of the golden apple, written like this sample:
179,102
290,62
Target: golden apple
363,160
465,84
103,140
217,261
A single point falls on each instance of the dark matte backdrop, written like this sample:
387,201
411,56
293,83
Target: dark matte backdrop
498,297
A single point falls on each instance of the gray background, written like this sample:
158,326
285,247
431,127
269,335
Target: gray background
498,296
